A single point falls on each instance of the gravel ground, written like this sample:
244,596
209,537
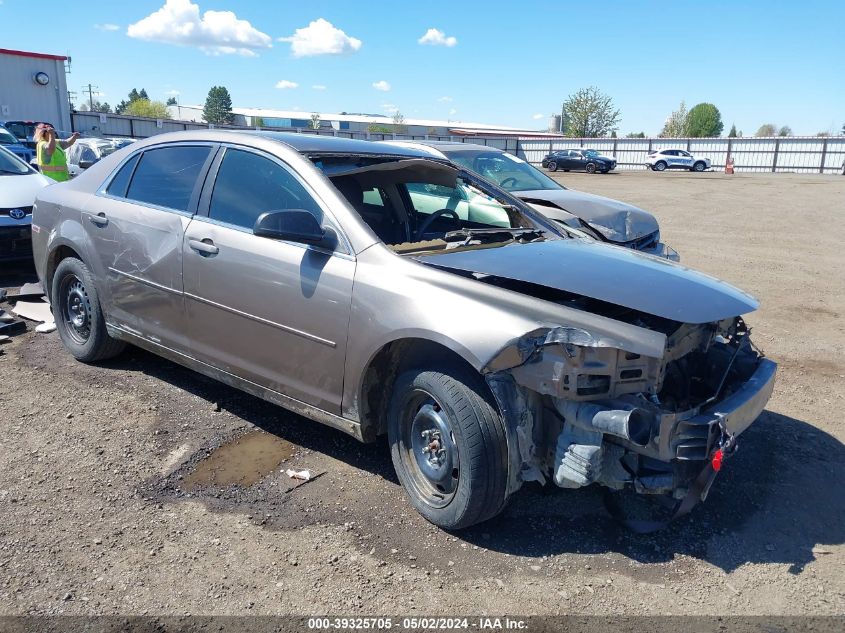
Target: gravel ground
103,512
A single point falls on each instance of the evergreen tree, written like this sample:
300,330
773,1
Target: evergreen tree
732,133
218,106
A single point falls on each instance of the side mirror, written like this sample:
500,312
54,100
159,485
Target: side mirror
85,164
294,225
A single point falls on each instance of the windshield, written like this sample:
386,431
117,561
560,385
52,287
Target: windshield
422,205
506,170
7,138
591,153
11,165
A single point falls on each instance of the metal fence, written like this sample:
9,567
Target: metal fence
783,154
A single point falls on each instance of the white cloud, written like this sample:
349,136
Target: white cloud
284,84
436,37
382,85
452,111
216,33
390,108
321,37
318,87
106,27
445,99
537,117
172,93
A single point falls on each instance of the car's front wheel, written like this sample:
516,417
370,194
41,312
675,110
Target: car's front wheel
699,166
448,445
552,165
590,168
79,317
659,166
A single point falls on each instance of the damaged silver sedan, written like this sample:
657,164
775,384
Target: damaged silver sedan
339,279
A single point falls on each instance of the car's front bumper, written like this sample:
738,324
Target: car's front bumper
15,241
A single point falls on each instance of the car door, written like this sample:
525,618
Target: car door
136,224
684,159
272,312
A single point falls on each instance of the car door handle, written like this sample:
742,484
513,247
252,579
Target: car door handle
203,247
100,219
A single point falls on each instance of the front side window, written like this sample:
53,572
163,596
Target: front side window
248,185
166,177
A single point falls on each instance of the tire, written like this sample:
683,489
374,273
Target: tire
699,166
659,166
79,317
590,168
552,165
469,484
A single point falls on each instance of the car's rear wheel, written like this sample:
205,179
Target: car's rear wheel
659,166
590,168
448,445
699,166
552,165
79,317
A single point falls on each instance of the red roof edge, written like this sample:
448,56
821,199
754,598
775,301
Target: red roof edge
8,51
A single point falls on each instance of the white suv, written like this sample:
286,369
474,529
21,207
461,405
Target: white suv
660,160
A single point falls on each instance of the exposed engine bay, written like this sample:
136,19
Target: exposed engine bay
593,414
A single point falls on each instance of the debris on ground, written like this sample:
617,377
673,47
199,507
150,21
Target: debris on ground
36,311
304,475
29,291
10,329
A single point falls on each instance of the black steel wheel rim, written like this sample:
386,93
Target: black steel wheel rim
428,450
75,309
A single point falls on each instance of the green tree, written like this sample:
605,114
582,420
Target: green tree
767,129
732,133
147,108
613,134
218,106
171,101
590,113
399,126
785,130
676,124
635,135
377,128
315,121
257,121
704,120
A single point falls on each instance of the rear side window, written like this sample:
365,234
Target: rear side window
117,187
166,177
248,185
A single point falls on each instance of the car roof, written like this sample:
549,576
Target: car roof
321,144
446,146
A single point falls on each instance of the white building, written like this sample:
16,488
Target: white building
33,87
268,118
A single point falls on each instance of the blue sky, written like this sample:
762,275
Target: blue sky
488,62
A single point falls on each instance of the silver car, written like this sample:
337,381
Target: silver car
338,279
605,219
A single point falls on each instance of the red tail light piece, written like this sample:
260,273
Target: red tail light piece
716,460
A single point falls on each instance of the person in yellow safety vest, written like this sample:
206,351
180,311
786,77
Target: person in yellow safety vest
50,152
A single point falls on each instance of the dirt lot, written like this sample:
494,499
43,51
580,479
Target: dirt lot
104,510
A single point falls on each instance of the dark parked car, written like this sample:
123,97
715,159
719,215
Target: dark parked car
588,160
23,130
11,143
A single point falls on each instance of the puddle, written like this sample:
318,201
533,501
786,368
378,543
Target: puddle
241,462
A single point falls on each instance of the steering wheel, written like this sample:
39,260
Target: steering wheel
427,222
505,182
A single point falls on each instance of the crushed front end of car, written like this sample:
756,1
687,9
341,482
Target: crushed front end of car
582,411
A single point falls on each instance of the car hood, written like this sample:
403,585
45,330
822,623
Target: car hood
617,275
616,221
20,191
